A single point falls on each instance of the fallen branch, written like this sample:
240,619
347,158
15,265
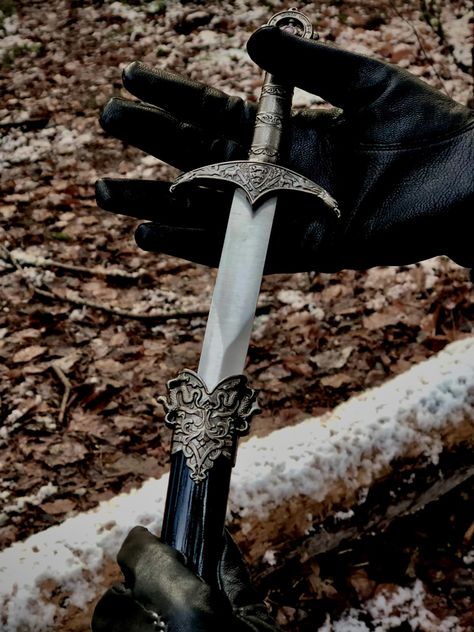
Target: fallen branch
67,391
26,124
43,262
116,311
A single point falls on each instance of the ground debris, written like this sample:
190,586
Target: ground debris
69,443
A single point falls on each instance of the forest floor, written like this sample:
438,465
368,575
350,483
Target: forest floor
92,328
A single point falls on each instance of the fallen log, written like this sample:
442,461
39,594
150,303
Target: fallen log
299,491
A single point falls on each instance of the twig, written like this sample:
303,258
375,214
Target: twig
421,45
67,391
84,302
116,311
26,124
42,262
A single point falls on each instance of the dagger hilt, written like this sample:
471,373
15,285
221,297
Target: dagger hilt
260,176
274,104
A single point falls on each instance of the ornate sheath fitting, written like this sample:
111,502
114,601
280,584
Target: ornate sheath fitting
206,424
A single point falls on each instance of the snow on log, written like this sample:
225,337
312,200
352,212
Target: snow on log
304,488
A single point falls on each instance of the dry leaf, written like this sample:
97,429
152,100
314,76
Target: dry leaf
67,362
362,584
336,381
108,366
332,359
29,353
59,506
64,453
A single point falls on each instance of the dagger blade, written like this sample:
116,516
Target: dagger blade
236,290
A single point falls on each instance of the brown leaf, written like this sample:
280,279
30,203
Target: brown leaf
298,365
379,320
129,464
100,291
362,584
29,353
108,366
59,506
68,361
123,423
336,381
24,334
333,358
86,422
64,453
392,315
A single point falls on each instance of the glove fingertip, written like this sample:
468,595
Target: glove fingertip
131,73
103,195
110,115
147,237
262,42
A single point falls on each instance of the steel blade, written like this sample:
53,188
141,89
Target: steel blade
236,290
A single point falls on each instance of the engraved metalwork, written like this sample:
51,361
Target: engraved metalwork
267,118
260,176
258,179
206,424
273,110
273,89
263,152
293,21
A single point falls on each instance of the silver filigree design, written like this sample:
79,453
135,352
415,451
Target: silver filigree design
293,21
263,150
267,118
206,424
276,90
258,179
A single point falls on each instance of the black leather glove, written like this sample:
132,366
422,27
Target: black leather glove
397,155
161,593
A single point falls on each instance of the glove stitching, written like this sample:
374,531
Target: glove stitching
157,621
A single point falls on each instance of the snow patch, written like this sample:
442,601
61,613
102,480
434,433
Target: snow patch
391,608
372,429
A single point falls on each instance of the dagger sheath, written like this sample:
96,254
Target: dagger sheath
209,409
195,514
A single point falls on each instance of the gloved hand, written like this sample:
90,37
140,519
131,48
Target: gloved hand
397,155
161,593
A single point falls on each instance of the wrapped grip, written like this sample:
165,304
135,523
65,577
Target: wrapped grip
275,98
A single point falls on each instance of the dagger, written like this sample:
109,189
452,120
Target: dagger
209,409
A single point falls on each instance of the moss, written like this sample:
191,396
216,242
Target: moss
20,50
150,6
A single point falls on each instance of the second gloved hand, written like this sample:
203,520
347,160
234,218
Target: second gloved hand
161,593
396,154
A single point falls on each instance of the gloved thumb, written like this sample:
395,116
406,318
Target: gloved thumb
344,79
233,576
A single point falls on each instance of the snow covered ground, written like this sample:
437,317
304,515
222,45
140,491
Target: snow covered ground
362,437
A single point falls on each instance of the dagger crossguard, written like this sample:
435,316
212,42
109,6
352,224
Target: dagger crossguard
260,176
